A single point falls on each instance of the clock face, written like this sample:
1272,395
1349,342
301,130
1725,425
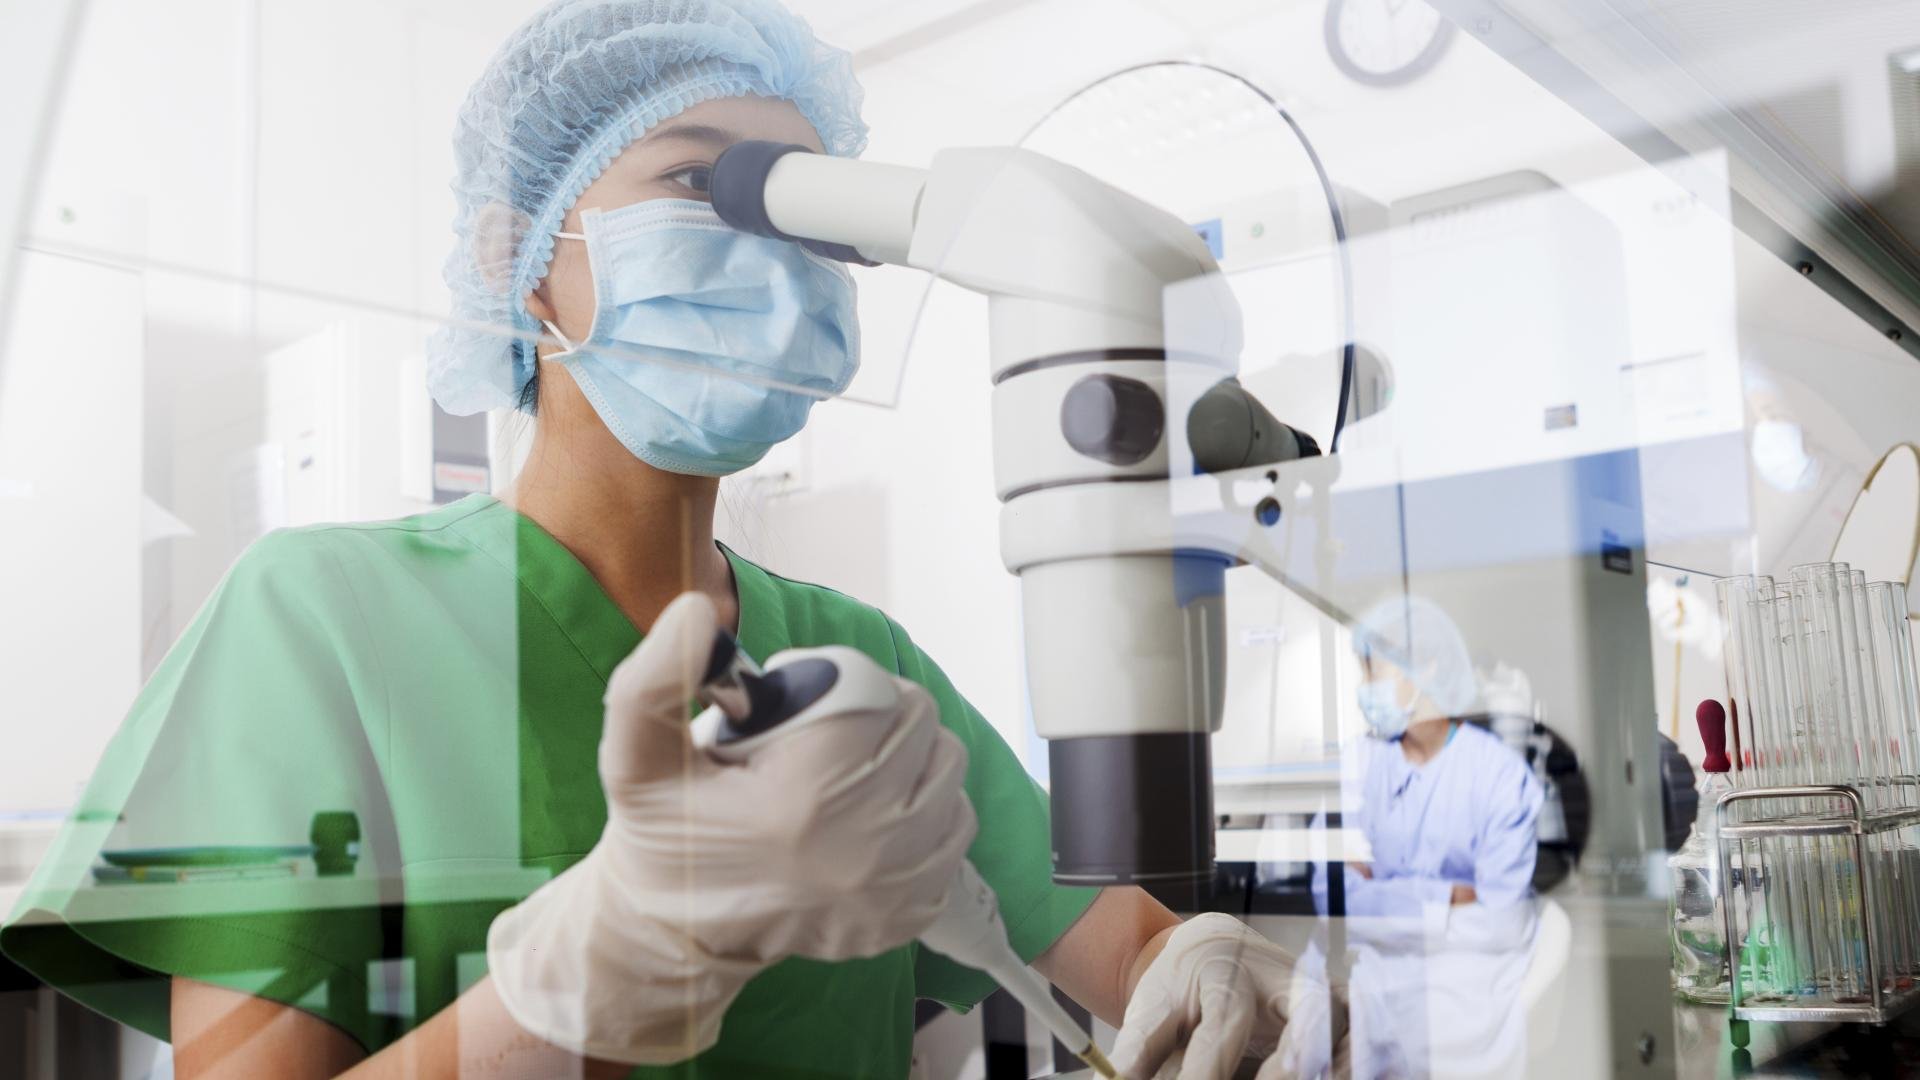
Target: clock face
1385,42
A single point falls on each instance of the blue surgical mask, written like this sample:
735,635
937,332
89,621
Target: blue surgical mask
702,333
1380,706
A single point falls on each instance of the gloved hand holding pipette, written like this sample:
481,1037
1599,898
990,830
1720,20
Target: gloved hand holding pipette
753,716
842,845
1219,991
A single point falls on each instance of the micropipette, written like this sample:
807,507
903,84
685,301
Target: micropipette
749,707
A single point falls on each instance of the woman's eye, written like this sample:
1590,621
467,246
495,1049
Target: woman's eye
694,178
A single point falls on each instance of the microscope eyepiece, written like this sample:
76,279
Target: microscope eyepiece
739,193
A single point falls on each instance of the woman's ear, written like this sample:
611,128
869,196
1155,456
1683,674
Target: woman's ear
539,306
496,235
1419,686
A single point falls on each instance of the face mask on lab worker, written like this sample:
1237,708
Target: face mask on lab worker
704,346
1389,701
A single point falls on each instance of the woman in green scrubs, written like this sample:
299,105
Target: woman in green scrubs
440,676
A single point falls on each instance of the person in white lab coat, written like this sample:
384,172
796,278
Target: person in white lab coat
1440,920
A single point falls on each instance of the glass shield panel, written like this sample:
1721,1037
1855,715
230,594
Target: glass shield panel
1261,379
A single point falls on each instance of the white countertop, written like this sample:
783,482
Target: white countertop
117,902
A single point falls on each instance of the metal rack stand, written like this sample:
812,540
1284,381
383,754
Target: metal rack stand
1883,1002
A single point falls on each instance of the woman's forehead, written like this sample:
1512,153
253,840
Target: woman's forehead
717,124
1374,660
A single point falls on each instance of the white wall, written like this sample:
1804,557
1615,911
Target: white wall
70,526
79,382
244,175
36,34
291,162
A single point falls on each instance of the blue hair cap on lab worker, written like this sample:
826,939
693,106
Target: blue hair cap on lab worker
1419,637
572,88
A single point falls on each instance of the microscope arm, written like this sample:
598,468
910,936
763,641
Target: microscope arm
1070,264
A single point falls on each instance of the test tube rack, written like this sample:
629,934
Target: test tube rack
1869,915
1819,880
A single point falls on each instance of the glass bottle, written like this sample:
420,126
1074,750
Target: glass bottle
1699,931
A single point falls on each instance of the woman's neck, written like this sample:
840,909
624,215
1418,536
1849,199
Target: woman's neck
1425,738
646,535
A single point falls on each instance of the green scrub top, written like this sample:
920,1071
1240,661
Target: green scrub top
440,676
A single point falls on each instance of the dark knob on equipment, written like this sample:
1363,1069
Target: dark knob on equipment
1113,419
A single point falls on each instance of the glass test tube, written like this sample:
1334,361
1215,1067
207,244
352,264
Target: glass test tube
1864,918
1793,704
1817,592
1902,630
1863,685
1876,725
1752,663
1893,650
1734,598
1774,947
1734,595
1899,604
1786,690
1792,608
1858,917
1894,669
1775,662
1778,914
1812,639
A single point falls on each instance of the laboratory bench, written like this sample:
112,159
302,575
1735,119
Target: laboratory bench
52,1036
1796,1050
45,1035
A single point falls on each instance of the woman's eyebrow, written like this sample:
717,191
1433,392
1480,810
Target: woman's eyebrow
705,133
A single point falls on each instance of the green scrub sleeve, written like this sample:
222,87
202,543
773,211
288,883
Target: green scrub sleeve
249,727
1014,851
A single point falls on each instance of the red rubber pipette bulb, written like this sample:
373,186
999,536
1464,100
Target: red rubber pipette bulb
1712,718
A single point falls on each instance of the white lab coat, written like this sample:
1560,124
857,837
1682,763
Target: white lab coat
1434,987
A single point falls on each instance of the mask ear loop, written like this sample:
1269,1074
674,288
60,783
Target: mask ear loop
570,347
567,346
1410,705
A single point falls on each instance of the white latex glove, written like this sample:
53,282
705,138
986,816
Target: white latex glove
838,842
1316,1041
1217,992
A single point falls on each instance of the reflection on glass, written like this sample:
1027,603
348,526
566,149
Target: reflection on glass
374,636
1441,918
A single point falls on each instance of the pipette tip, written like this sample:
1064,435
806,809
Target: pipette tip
1098,1062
